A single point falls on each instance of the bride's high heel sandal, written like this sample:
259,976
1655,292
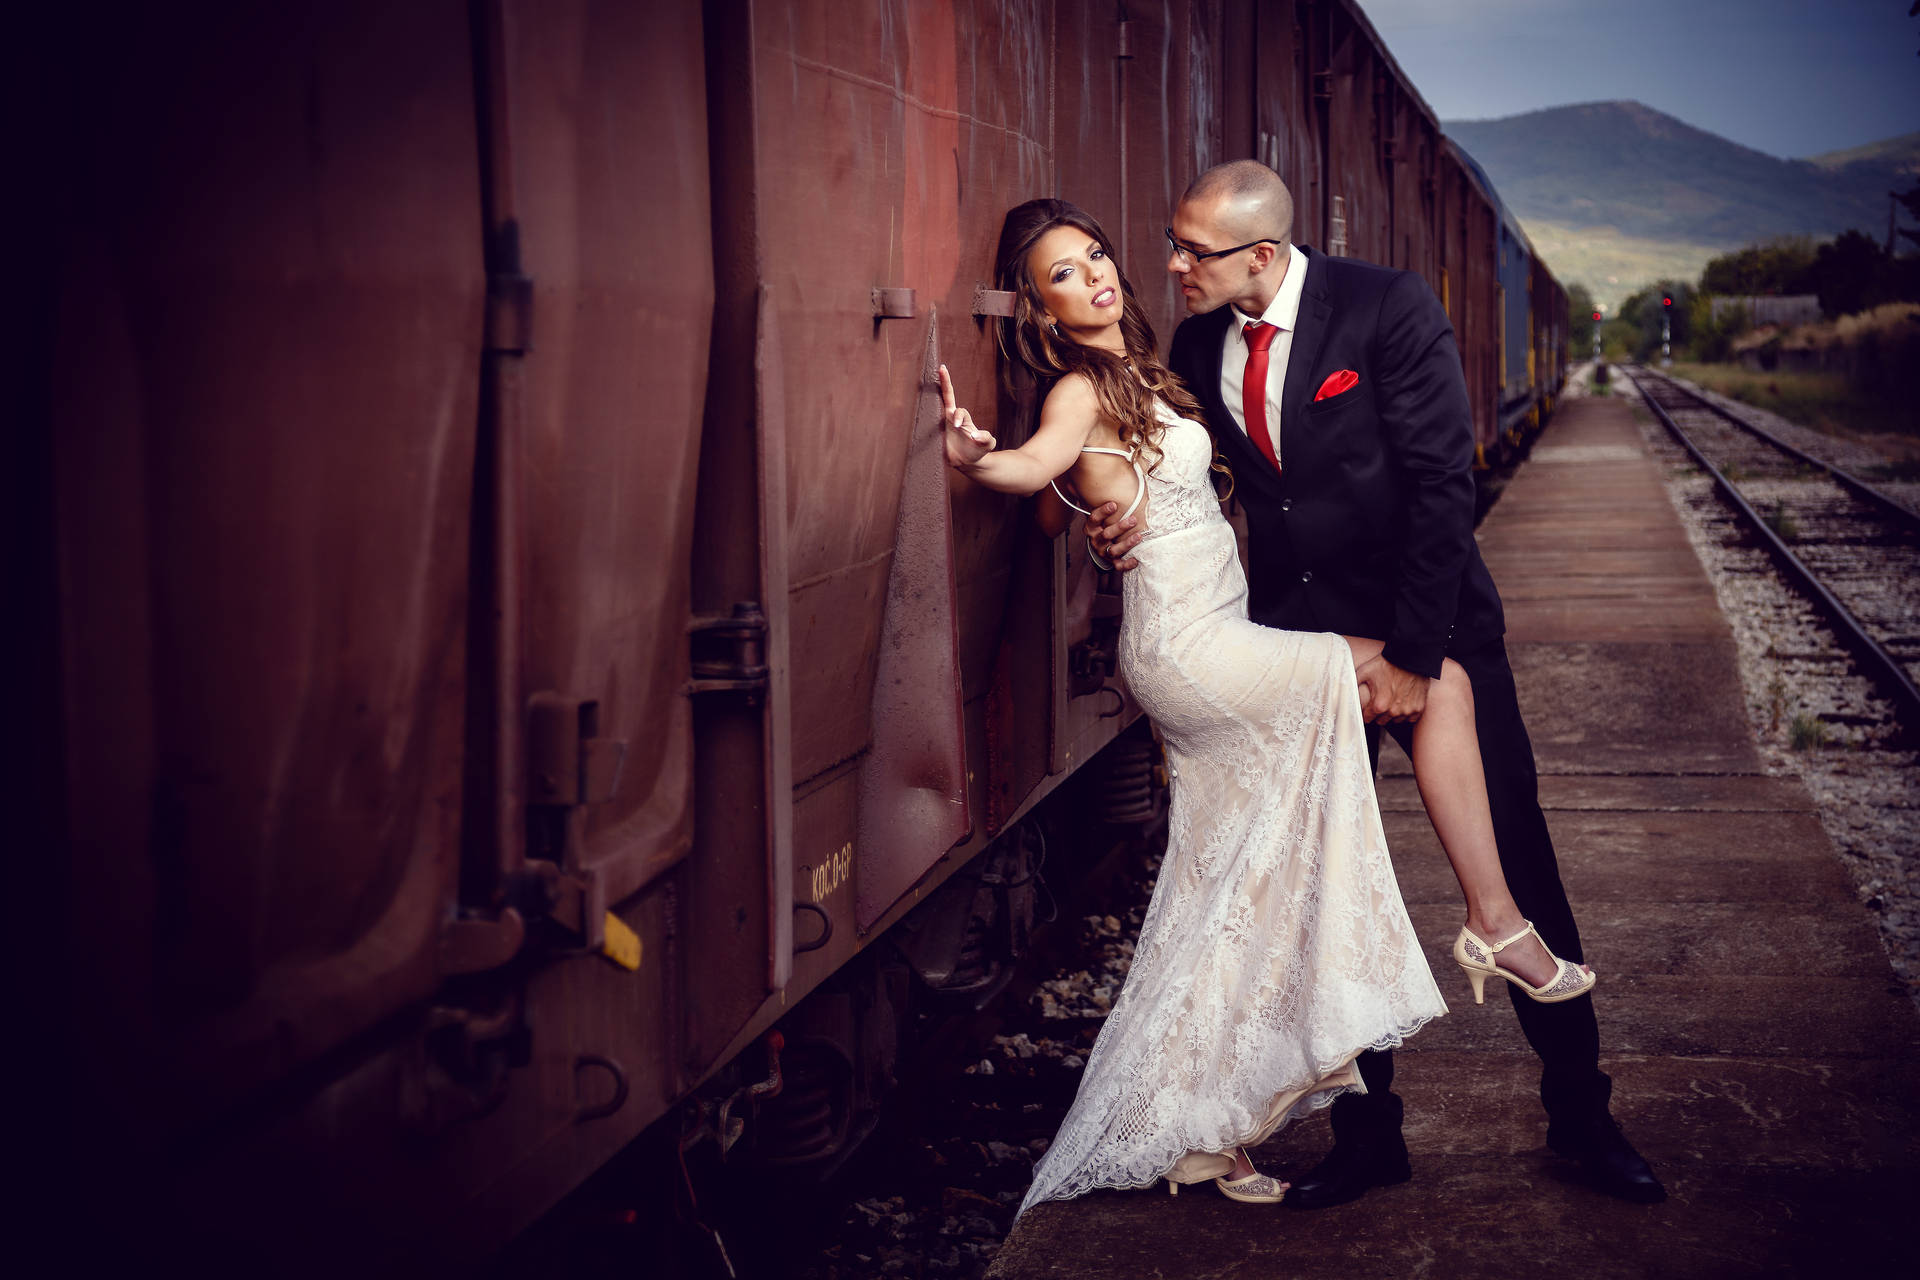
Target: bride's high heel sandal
1255,1188
1477,958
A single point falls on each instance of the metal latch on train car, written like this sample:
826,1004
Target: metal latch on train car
568,762
729,653
577,903
570,766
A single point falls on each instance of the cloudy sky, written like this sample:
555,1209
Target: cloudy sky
1788,77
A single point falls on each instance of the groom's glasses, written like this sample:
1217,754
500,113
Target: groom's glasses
1191,256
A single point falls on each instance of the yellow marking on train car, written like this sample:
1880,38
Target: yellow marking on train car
833,874
622,945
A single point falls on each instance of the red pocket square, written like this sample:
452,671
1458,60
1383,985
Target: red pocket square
1345,380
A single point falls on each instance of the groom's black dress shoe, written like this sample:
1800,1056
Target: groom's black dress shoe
1608,1158
1351,1169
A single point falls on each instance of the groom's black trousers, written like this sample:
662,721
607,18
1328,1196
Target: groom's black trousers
1565,1035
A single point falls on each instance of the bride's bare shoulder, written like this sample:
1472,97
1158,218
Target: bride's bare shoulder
1073,394
1074,401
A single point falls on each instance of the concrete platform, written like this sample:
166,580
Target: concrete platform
1763,1056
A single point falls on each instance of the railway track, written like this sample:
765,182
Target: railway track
1851,548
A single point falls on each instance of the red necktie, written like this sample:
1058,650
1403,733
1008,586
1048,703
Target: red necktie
1254,388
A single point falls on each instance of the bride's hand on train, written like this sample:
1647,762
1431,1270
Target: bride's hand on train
966,443
1113,539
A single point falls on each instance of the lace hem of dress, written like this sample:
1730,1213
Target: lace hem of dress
1306,1106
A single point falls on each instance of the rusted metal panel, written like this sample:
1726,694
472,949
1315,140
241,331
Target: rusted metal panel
1208,47
1087,123
1415,193
926,126
1355,200
864,139
1477,286
269,329
734,894
1463,277
1238,27
1287,137
605,99
913,793
1170,130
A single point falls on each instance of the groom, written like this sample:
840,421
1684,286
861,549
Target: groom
1335,391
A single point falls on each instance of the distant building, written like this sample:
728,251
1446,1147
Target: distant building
1793,309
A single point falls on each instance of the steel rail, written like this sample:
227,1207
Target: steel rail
1878,665
1845,479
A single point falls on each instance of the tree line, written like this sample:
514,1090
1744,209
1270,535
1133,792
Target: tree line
1851,273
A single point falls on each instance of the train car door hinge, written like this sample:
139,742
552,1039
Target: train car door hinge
992,302
729,653
891,303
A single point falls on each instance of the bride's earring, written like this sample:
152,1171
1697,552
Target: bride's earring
1053,328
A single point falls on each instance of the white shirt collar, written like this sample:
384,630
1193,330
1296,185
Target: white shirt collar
1284,311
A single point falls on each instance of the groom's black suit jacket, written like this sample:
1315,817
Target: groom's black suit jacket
1368,528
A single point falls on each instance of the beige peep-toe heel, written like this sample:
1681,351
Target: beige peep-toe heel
1255,1188
1476,957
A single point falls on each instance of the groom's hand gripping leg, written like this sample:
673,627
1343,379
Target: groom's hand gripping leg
1389,695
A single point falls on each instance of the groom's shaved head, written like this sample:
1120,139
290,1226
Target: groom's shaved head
1248,200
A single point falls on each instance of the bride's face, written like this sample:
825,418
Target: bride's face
1078,285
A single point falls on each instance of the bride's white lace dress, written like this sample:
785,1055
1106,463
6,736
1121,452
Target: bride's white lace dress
1276,946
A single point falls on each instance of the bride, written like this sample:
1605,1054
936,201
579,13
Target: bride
1276,947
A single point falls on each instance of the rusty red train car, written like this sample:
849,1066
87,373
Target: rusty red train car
516,647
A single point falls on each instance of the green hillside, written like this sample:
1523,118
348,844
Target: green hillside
1617,195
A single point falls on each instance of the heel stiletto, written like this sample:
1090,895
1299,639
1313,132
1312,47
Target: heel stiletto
1476,958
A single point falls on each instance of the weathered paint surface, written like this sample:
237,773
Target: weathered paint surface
263,426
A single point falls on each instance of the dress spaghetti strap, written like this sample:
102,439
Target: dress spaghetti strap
1139,476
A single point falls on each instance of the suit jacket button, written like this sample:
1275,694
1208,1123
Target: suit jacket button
1307,576
1286,504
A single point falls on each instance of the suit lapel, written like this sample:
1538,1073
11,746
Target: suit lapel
1212,350
1309,334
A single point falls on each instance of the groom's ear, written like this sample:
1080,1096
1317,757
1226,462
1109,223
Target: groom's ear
1263,256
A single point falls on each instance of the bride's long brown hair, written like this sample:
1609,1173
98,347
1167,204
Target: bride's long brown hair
1125,395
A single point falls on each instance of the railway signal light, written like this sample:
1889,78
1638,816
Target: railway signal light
1596,317
1667,302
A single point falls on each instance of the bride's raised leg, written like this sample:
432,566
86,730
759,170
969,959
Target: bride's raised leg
1453,787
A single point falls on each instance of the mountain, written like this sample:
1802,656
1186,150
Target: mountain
1616,195
1901,154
